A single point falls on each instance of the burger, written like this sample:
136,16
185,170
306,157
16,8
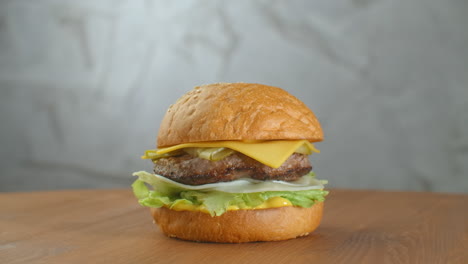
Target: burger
232,165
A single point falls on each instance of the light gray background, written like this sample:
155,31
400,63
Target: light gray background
84,84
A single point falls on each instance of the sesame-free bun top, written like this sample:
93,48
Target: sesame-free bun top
237,111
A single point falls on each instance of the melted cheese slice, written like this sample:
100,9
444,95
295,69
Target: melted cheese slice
271,153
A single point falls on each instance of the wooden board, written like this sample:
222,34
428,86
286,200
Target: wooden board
108,226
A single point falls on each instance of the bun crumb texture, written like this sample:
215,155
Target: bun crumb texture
237,111
241,225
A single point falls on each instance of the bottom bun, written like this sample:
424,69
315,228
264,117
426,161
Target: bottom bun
240,225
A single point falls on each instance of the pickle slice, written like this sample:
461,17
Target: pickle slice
151,154
304,150
213,154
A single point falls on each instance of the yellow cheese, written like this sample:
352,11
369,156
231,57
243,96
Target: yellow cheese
273,202
271,153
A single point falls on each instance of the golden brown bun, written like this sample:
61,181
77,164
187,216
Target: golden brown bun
237,111
241,225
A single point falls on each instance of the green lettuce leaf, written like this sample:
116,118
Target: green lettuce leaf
216,202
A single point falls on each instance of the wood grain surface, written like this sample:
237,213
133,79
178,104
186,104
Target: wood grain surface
109,226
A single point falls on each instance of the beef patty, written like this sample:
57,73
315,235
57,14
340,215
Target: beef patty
191,170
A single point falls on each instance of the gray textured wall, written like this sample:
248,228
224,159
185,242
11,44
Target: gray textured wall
84,84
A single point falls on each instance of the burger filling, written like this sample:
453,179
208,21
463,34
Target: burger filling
216,177
188,169
218,198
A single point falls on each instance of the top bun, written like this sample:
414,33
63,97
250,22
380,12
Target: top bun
237,111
